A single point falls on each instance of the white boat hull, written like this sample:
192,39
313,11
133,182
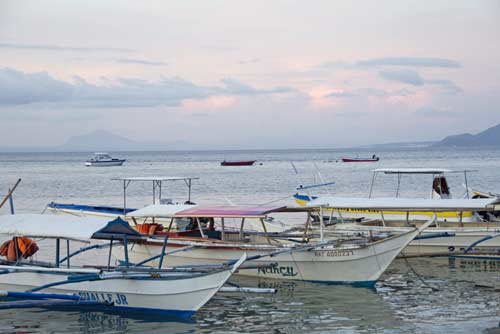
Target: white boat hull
104,163
179,297
458,241
338,265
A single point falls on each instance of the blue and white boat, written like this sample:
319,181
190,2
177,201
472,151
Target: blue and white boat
127,287
102,159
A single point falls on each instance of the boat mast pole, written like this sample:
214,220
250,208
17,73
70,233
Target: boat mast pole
124,196
371,187
11,203
58,247
321,223
9,194
154,191
399,185
466,184
223,233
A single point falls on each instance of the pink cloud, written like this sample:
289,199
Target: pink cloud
214,102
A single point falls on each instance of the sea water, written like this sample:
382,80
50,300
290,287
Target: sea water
414,296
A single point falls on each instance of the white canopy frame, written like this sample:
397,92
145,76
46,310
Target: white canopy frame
417,171
157,184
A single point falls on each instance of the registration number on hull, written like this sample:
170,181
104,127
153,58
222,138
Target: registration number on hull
115,298
335,252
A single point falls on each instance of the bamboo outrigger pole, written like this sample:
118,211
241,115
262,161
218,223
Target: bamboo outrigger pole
9,194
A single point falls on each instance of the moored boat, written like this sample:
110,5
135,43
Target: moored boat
290,255
238,163
178,291
374,158
104,160
110,212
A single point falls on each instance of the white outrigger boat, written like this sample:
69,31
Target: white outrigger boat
171,291
111,212
439,239
102,159
439,190
291,255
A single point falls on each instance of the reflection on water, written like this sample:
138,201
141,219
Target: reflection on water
447,296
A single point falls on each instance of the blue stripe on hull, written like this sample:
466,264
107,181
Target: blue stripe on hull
91,208
360,284
139,312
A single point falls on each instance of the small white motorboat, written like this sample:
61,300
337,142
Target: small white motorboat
104,160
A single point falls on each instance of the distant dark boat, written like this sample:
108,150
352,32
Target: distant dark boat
372,159
238,163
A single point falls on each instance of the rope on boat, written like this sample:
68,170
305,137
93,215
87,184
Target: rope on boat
418,276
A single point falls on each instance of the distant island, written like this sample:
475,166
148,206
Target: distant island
488,137
101,140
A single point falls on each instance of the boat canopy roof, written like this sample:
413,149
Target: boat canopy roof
407,204
230,211
65,227
155,178
160,210
419,170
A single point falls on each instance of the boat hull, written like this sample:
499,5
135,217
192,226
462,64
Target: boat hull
178,297
359,160
452,240
361,266
366,214
238,163
117,162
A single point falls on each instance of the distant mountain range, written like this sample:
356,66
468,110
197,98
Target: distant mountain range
101,140
488,137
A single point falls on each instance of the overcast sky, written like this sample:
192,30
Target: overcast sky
248,74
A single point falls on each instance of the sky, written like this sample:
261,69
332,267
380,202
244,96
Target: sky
248,74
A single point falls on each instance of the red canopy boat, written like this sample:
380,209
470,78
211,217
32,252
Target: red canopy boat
238,163
374,158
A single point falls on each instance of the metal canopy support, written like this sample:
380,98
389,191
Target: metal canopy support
11,202
125,250
321,223
466,184
371,187
58,248
307,226
223,234
432,185
170,224
399,185
125,185
110,251
383,218
163,251
265,230
188,184
241,228
200,228
340,216
67,253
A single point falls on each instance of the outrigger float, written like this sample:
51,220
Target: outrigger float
132,288
295,254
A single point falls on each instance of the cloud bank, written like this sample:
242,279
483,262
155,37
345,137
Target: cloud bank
49,47
19,88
